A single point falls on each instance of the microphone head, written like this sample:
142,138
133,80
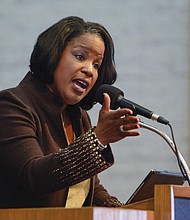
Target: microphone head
112,91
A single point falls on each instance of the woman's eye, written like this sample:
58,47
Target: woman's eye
79,57
96,65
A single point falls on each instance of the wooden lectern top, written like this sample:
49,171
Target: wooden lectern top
89,213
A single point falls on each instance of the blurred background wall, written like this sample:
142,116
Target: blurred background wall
152,45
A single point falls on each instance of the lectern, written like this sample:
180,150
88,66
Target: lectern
170,202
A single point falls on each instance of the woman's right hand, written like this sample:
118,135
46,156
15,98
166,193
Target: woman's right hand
114,125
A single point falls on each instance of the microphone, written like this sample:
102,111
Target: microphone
118,100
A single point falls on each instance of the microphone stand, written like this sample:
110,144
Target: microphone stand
180,158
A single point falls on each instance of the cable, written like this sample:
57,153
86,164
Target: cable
181,162
182,169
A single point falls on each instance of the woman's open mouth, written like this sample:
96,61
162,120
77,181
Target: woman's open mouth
80,85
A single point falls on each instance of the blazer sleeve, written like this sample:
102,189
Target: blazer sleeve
22,158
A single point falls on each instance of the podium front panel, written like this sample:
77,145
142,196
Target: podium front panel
182,208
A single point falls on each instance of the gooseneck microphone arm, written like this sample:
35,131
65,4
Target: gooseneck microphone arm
181,161
118,100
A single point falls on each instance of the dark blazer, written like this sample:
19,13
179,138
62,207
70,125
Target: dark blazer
36,164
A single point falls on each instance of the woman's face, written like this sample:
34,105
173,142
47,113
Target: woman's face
77,70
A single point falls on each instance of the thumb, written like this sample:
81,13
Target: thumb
106,103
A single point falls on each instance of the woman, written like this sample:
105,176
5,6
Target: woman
49,153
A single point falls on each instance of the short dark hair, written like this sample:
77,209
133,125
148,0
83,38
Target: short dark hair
51,43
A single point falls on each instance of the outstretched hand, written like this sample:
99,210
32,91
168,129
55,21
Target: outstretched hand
115,125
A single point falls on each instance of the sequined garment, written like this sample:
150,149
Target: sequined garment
80,160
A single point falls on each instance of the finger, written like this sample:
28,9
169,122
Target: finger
129,132
132,133
130,119
129,127
106,103
122,113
